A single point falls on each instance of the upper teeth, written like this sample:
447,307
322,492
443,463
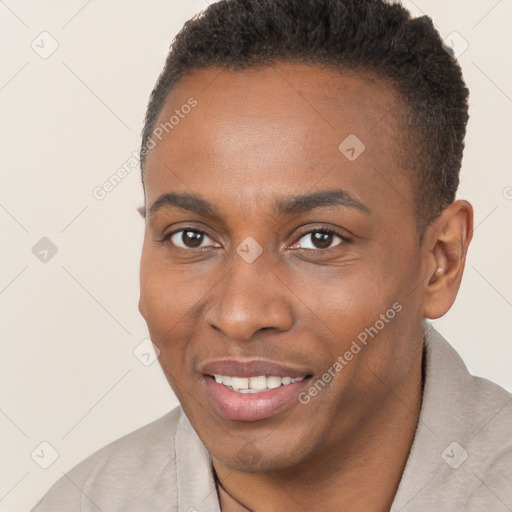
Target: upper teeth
254,384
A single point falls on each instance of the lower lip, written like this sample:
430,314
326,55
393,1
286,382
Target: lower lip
251,406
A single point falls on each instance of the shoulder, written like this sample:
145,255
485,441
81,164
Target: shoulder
131,472
462,451
475,408
490,446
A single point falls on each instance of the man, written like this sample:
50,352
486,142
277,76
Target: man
300,162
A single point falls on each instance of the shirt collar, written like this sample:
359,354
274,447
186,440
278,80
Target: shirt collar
441,420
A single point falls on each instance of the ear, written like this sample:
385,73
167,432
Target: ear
445,246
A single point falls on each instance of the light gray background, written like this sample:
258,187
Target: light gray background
69,326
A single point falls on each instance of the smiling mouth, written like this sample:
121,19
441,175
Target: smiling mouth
253,397
256,384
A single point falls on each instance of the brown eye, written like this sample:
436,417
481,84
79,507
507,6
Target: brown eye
319,239
189,238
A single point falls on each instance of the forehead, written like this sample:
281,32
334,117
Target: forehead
277,127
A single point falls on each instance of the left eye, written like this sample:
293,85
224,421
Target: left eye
189,238
320,240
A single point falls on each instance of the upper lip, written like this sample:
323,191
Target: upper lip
251,368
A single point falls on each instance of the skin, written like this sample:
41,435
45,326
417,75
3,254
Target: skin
270,133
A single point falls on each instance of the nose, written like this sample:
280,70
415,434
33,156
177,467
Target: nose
251,297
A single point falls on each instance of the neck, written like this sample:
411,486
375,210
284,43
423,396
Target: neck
362,471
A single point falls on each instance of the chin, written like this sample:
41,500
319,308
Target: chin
260,457
258,463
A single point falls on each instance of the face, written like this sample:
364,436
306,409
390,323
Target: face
281,244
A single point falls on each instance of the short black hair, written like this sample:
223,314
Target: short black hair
372,37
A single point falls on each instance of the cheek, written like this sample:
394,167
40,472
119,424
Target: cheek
165,294
158,299
365,312
353,298
386,326
163,308
171,302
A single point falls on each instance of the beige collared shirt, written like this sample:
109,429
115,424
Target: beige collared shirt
460,460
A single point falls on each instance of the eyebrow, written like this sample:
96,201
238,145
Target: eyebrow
189,202
322,198
282,206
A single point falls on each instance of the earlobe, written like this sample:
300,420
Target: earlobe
447,245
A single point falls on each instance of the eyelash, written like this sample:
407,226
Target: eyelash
167,237
330,231
343,237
